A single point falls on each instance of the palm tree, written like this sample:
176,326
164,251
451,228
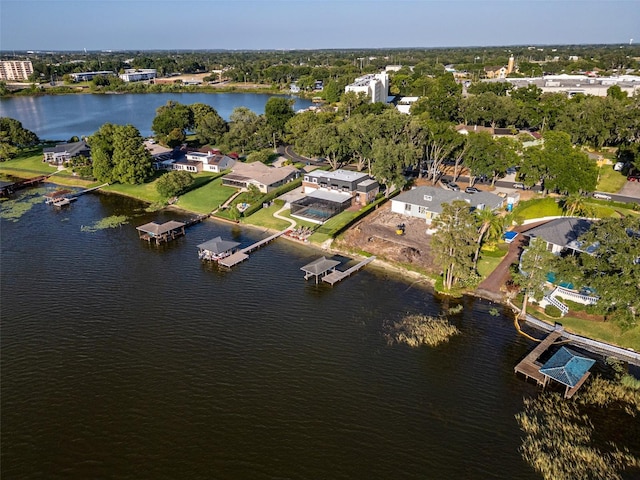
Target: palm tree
574,204
490,228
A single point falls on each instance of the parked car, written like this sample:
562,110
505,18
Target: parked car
634,178
444,181
519,185
471,190
602,196
454,187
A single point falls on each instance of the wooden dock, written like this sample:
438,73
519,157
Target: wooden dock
336,276
60,198
529,365
63,201
263,242
10,188
242,254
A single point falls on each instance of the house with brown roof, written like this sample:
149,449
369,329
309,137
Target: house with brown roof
265,178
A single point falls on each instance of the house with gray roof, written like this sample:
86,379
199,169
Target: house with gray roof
426,202
562,234
360,186
63,152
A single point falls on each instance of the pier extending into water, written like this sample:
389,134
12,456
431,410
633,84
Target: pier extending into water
60,198
326,269
337,275
10,188
529,365
242,254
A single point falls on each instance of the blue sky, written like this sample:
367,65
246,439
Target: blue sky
311,24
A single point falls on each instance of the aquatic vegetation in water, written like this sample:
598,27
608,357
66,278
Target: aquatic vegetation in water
13,208
494,312
455,309
560,433
107,222
416,330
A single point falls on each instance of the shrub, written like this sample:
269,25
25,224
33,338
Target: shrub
552,311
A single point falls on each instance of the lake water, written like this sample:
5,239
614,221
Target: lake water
60,117
125,360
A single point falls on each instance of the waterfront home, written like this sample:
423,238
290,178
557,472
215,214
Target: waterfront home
329,193
426,202
360,187
561,234
63,152
263,177
210,161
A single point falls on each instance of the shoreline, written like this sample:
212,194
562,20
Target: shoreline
403,274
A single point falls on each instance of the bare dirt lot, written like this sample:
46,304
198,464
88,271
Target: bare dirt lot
376,234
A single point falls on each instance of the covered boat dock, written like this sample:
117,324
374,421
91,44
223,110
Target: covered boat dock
216,249
165,232
318,268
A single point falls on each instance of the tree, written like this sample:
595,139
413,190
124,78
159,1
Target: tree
13,133
101,143
613,268
454,242
247,131
535,264
209,125
170,117
389,162
174,183
131,160
575,204
489,228
278,111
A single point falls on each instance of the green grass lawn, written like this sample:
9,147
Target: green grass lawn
537,208
327,230
264,218
610,180
487,264
206,197
146,192
27,164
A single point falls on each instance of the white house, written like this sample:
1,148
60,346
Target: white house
426,202
204,162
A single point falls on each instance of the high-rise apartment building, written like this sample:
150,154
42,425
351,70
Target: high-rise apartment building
15,69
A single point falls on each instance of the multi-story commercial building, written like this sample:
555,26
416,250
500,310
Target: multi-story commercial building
88,76
375,86
15,69
137,75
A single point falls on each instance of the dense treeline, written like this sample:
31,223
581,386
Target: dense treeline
282,67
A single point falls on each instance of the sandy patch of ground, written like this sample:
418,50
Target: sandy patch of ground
376,234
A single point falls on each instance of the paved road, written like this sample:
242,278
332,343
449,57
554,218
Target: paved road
631,193
287,151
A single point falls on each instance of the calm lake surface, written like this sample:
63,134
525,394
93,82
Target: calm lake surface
126,360
60,117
